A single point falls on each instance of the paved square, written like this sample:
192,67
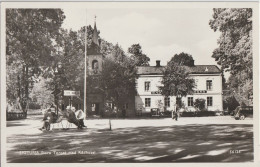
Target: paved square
197,139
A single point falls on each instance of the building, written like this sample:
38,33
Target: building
97,102
95,96
208,79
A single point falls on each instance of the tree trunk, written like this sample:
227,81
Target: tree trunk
26,91
19,87
178,104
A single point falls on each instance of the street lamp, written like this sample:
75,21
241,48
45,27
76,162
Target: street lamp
57,73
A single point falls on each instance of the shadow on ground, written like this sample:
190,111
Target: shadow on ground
179,143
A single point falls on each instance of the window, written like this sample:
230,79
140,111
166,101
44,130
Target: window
190,101
93,107
146,86
125,106
209,101
167,102
94,64
209,84
110,105
147,102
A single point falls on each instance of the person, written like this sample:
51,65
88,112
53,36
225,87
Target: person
176,115
49,115
53,113
80,116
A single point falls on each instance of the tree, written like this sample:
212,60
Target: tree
41,93
200,104
137,55
118,81
176,82
118,55
31,38
234,52
183,59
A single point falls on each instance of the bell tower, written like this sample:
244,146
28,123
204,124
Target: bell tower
95,58
95,95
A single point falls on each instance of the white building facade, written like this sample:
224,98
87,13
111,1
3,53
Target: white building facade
208,81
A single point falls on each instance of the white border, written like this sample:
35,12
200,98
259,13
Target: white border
151,5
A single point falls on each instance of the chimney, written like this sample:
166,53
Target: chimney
192,62
158,63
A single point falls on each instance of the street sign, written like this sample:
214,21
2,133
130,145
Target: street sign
71,93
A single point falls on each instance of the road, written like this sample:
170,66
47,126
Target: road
196,139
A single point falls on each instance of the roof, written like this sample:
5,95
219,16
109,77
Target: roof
146,70
197,69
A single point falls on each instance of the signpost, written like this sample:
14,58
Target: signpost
71,93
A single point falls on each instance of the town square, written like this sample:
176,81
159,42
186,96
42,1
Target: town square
199,139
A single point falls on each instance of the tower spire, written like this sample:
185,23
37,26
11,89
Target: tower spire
95,33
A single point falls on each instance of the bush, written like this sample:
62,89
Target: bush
34,106
205,113
231,103
187,114
166,113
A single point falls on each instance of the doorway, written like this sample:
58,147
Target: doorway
95,108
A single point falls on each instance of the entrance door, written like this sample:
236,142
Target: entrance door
95,108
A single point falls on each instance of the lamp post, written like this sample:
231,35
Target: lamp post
57,90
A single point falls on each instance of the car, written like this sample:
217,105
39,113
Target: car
241,112
155,112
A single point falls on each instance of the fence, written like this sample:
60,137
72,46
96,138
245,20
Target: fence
15,116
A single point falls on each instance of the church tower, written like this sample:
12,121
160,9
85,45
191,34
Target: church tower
95,97
95,58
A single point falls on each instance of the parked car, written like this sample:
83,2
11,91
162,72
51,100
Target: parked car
240,113
155,112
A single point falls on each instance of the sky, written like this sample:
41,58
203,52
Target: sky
161,32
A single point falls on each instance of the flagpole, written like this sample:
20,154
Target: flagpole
85,73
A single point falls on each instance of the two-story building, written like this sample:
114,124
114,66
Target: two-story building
208,81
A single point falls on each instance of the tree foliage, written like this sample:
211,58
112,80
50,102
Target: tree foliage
117,78
200,104
137,55
234,52
31,40
183,59
41,93
176,81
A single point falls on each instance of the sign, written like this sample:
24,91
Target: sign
155,92
71,93
200,91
